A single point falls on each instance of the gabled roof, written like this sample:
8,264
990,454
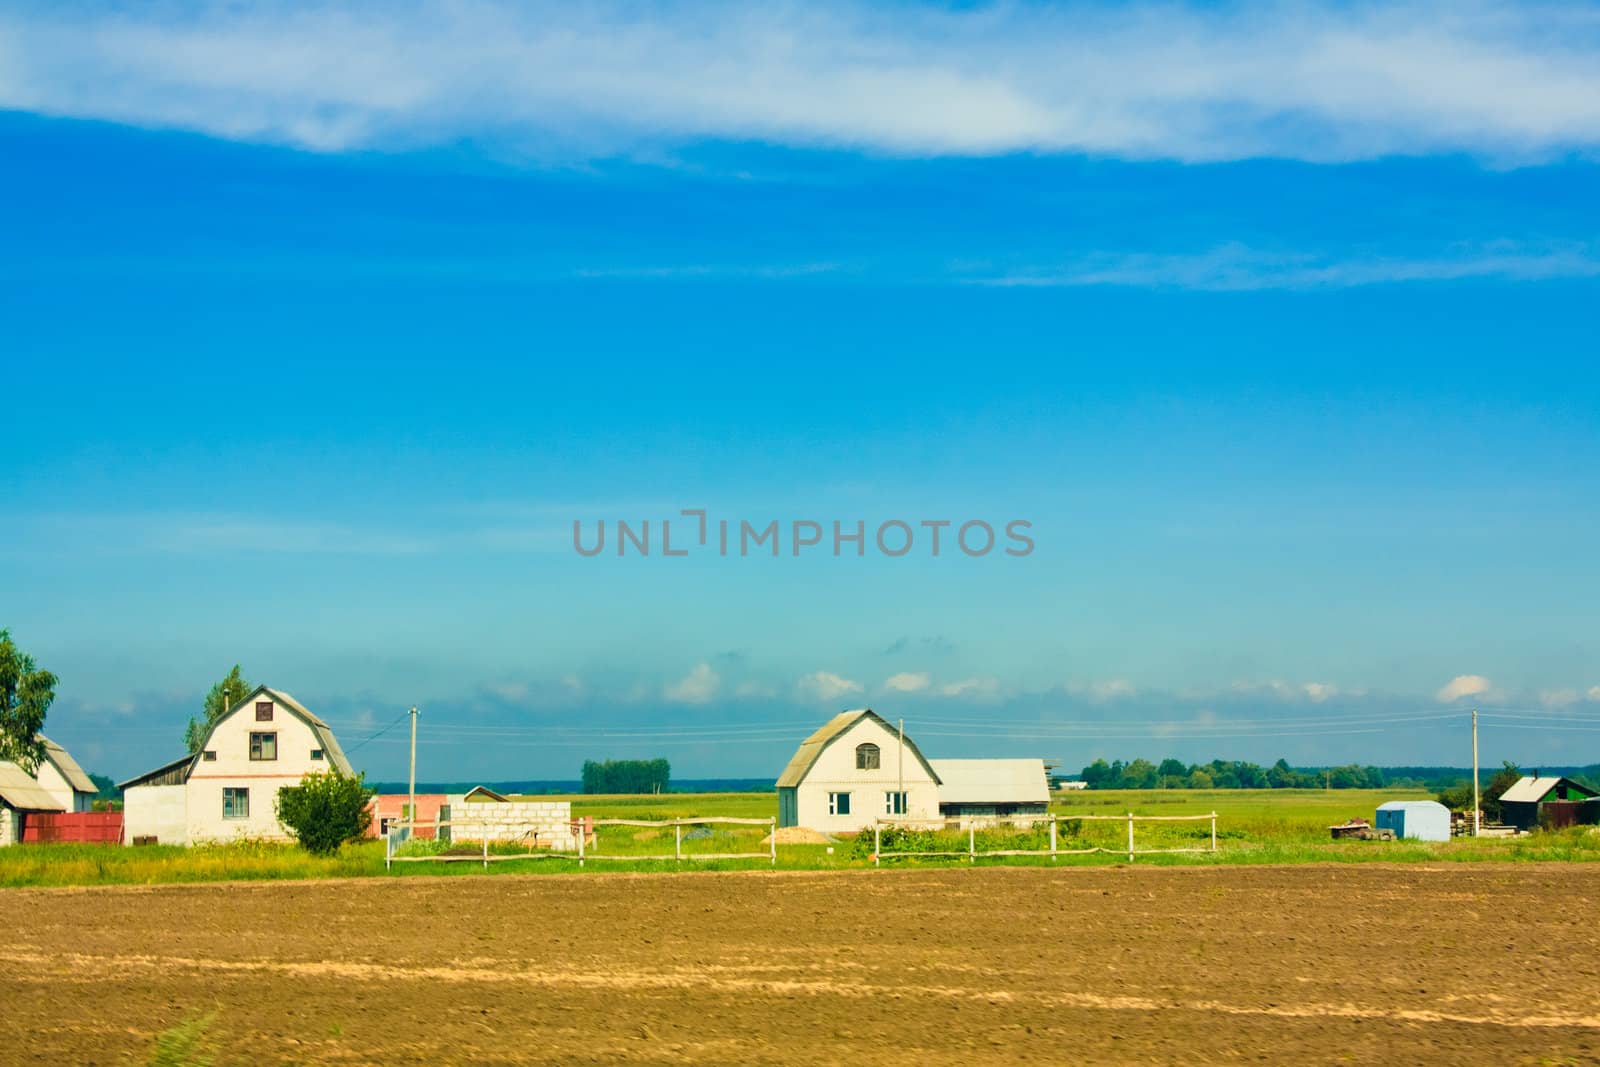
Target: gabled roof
21,791
324,733
482,792
812,747
1531,790
992,781
79,781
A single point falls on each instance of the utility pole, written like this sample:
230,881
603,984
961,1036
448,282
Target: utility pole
411,812
900,773
1476,806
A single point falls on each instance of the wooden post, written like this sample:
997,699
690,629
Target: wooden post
877,844
581,836
677,840
972,842
388,849
1053,819
1130,837
1213,831
774,840
486,848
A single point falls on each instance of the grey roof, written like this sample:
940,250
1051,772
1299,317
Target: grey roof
811,748
159,772
1530,790
330,744
68,767
20,790
992,781
1413,805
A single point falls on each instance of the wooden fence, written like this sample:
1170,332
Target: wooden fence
401,832
972,823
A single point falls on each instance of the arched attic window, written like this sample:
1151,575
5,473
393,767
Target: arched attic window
867,757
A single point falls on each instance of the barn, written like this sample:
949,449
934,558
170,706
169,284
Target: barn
21,795
1534,801
992,787
1415,820
57,786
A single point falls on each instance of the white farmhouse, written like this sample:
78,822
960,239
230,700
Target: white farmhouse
229,789
58,784
858,768
852,771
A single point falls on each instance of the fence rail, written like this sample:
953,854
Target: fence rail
972,823
401,831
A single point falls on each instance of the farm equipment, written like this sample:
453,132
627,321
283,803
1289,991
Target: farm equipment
1359,829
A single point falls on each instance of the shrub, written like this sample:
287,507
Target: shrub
325,810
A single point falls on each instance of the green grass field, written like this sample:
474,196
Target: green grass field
1254,826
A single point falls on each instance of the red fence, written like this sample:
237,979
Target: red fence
101,827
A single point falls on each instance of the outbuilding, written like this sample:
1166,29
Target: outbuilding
1415,820
1533,801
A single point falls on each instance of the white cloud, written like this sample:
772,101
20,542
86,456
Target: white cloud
1192,82
971,688
1462,685
825,685
1237,268
907,682
1594,692
1317,692
1558,698
699,686
1110,690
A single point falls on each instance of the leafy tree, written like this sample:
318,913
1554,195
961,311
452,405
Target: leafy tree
25,696
1199,779
224,695
626,776
326,810
1171,768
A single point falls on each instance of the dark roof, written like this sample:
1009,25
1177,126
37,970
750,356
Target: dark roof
812,747
163,771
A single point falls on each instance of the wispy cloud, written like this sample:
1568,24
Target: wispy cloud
826,685
699,686
1462,685
1304,80
1237,268
906,682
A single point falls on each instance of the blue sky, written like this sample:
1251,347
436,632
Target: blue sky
1277,324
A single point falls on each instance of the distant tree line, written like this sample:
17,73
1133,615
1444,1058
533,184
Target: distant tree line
1226,774
626,776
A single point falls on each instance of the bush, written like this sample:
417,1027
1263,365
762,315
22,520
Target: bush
325,810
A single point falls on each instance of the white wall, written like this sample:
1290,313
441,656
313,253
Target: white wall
233,767
10,826
513,820
159,811
835,771
56,784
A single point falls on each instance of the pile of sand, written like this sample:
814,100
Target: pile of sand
800,835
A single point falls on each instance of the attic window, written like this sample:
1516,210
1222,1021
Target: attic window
316,753
263,746
867,757
264,711
209,755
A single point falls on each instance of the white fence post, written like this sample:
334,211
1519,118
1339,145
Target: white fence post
877,844
972,842
1053,819
1130,837
1213,831
677,841
486,848
581,836
774,840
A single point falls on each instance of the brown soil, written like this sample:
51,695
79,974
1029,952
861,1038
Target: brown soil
1363,964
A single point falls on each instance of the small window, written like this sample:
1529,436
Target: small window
264,711
209,755
894,803
263,746
316,753
838,803
235,803
867,757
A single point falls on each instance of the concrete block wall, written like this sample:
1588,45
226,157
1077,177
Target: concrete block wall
514,820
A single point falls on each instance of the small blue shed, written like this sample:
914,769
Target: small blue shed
1415,820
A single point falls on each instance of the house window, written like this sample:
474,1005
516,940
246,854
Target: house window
894,803
316,753
264,711
867,757
838,803
263,746
235,803
209,755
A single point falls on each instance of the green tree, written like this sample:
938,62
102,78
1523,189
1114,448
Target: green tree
626,776
326,810
223,696
25,696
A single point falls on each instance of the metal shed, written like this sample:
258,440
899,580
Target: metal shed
1415,820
